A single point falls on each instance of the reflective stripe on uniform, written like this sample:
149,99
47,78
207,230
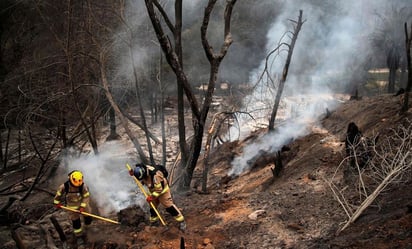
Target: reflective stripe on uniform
156,194
58,193
83,204
56,201
86,195
179,218
165,189
153,219
77,231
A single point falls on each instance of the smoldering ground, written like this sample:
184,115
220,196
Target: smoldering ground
111,187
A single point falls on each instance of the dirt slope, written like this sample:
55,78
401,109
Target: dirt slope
295,210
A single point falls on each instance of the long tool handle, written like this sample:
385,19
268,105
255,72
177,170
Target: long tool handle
89,214
145,195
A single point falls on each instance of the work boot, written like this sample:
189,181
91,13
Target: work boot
154,221
182,226
80,242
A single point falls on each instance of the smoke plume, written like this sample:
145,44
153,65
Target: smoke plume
331,47
110,185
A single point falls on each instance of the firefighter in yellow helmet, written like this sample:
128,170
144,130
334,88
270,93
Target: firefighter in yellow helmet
159,189
74,194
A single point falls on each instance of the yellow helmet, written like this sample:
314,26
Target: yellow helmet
76,178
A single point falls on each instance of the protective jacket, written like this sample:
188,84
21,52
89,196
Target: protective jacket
159,188
75,197
157,184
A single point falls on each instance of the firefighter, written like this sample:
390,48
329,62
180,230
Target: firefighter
159,192
74,193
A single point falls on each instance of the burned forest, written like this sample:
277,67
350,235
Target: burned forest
205,124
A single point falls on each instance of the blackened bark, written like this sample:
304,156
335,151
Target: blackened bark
299,24
112,123
174,59
408,42
59,229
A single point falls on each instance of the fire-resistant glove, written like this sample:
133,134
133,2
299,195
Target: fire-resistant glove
81,209
59,205
150,198
131,172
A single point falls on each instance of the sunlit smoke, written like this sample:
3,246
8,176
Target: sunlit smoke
331,42
331,46
304,111
111,187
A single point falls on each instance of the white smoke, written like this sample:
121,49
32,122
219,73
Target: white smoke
267,142
135,43
302,111
330,46
330,42
106,175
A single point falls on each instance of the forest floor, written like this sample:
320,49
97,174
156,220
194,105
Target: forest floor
255,209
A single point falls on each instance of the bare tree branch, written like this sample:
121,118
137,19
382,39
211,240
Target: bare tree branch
391,163
285,71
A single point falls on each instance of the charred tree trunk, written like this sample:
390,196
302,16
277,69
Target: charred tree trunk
63,133
162,109
18,144
211,131
278,165
408,42
180,85
180,90
392,61
391,80
298,26
1,148
173,57
6,149
112,123
215,60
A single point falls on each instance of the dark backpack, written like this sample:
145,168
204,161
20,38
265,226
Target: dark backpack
160,167
66,188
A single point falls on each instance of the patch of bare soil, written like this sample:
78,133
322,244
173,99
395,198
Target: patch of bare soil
256,210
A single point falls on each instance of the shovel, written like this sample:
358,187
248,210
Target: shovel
91,215
145,195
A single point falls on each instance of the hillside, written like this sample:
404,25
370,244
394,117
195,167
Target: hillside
256,210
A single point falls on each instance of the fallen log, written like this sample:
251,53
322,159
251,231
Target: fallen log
59,229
